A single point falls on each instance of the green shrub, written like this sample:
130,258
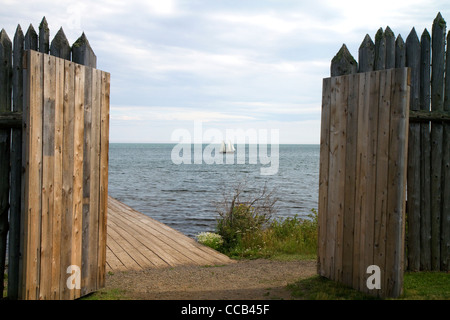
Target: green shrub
244,216
288,236
248,229
242,221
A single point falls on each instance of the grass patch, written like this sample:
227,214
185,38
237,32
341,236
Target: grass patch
426,286
292,238
320,288
110,294
416,286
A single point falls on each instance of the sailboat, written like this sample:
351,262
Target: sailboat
229,148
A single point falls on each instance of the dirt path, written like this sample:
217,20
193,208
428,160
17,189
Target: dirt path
251,279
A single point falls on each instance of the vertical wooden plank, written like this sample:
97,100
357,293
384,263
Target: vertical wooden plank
405,96
337,175
322,266
397,182
437,102
341,136
67,177
414,150
16,169
425,156
48,138
5,136
371,173
445,219
33,192
350,178
87,169
58,179
94,204
361,180
105,97
382,172
77,211
25,176
331,213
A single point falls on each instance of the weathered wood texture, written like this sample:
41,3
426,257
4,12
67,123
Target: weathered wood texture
16,168
11,115
65,179
362,178
428,186
138,242
5,136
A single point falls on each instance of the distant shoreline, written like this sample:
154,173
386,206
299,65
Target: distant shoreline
175,143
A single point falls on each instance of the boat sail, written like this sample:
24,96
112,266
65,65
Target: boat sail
229,148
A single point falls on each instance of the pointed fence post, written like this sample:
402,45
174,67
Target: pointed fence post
44,36
60,46
437,104
343,63
425,166
5,106
31,39
82,52
380,50
400,52
390,48
414,151
366,55
16,169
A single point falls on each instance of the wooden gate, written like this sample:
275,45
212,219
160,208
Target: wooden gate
428,181
65,181
362,188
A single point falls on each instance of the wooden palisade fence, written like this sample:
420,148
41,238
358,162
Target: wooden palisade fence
54,129
428,188
427,243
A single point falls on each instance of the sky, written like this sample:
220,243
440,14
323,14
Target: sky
219,64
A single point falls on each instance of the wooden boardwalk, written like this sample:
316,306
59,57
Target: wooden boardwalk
136,241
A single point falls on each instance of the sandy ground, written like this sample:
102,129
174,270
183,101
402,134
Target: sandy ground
244,280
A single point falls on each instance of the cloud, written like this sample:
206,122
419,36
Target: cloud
161,7
137,114
224,62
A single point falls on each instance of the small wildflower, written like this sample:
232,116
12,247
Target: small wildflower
210,239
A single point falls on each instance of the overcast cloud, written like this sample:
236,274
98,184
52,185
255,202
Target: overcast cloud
233,64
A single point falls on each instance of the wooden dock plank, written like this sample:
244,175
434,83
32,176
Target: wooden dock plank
143,255
175,239
136,241
164,251
118,246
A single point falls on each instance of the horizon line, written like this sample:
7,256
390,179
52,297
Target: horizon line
111,142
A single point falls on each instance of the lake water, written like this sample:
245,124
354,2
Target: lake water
184,196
